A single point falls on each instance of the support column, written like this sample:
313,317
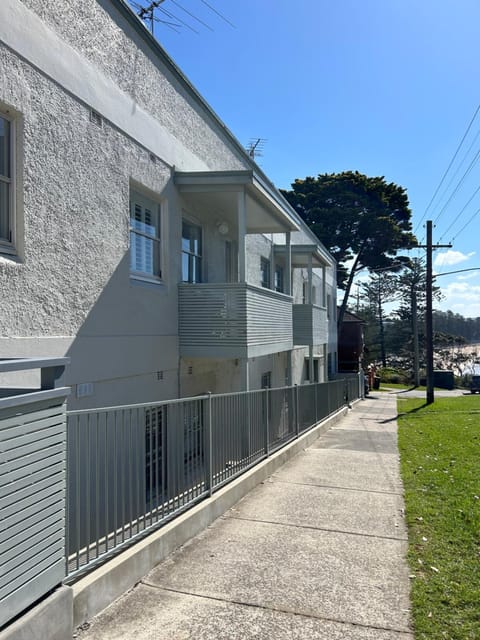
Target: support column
288,279
289,368
324,286
310,280
242,232
245,374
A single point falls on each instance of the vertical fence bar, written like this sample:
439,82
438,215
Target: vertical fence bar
88,515
78,496
297,413
267,422
209,474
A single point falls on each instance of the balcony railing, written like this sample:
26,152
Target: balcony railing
234,320
310,325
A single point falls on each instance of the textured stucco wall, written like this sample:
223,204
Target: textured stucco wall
72,285
70,292
106,39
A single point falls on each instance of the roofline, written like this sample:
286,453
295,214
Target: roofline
142,31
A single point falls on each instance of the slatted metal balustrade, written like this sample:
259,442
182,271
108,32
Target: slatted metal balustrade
32,485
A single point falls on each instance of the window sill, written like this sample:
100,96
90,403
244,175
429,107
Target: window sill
145,281
9,258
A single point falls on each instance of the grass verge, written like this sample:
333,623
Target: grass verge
440,462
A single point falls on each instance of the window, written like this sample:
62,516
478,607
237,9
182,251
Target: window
266,382
265,273
191,252
145,253
6,186
279,279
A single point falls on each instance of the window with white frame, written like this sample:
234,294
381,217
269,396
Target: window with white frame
191,252
6,186
145,238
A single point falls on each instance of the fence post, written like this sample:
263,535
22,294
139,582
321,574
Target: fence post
297,413
267,422
315,393
209,445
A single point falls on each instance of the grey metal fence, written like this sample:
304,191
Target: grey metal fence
132,468
32,485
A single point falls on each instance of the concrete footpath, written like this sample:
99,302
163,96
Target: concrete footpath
315,552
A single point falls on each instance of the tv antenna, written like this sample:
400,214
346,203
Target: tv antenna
147,14
255,147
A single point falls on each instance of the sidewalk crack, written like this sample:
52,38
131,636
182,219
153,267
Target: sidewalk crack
326,529
332,486
241,603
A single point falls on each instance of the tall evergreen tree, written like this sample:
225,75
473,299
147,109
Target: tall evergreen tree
363,221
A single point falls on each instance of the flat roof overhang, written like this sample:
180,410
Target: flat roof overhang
267,211
301,254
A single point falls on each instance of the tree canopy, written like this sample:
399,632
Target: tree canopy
358,218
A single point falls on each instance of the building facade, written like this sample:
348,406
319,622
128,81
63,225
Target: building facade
137,236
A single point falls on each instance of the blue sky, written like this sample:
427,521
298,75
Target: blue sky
385,87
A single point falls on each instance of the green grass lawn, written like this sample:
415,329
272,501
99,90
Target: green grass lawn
440,463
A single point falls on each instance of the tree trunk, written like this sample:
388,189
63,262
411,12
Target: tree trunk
343,306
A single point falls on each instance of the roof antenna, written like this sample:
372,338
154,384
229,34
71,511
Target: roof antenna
255,147
148,13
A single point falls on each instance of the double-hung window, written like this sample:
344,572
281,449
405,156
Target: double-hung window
191,252
6,187
145,240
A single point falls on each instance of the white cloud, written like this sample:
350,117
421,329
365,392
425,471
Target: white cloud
461,297
448,258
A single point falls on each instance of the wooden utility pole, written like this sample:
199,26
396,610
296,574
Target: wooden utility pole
429,310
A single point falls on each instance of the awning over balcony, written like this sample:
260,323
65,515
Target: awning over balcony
266,210
303,255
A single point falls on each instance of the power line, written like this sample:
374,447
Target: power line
459,184
460,165
219,14
174,17
467,223
460,213
449,166
192,15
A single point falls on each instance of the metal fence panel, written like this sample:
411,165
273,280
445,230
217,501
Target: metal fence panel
32,500
132,468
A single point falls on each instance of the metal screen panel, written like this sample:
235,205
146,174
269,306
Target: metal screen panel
32,501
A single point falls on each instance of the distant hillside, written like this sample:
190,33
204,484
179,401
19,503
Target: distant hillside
456,325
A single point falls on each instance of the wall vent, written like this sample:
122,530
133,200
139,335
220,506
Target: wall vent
84,389
159,375
190,370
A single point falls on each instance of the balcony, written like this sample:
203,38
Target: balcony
235,320
310,325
